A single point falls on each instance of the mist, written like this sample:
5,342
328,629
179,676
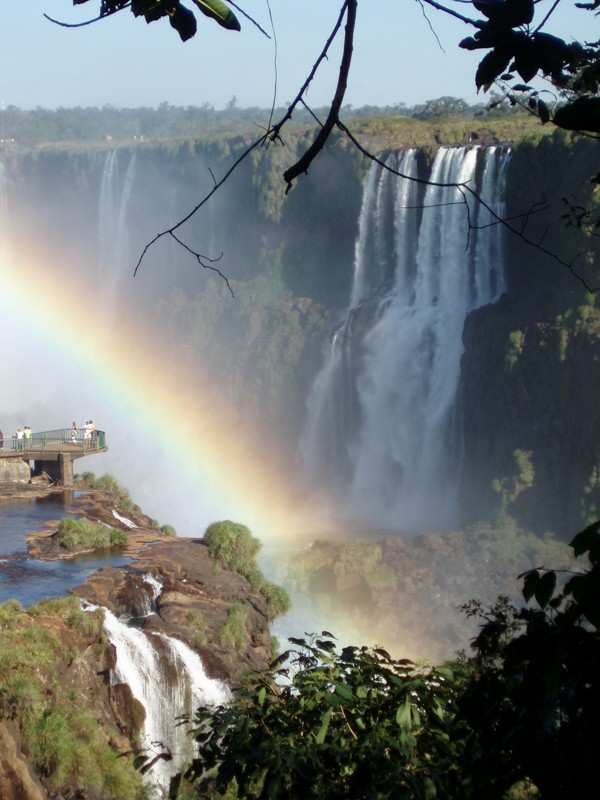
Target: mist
311,390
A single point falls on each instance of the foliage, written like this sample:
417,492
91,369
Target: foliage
518,46
84,130
180,17
88,624
107,483
197,621
354,723
168,530
534,701
76,534
234,632
233,544
63,740
516,720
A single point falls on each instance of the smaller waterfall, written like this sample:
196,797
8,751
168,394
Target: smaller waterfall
383,432
113,234
169,679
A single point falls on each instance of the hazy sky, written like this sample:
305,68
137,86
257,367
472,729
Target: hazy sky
124,62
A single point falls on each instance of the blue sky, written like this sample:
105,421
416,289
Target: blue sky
124,62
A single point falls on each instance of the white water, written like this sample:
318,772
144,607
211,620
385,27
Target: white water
382,417
169,679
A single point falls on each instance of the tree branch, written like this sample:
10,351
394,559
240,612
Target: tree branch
310,154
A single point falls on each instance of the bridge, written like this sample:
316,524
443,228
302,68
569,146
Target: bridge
54,451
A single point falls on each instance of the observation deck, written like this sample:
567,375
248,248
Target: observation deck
54,451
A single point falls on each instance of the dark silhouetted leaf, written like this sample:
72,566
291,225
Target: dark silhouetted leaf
506,13
582,114
184,22
490,67
530,584
545,588
588,541
543,111
527,61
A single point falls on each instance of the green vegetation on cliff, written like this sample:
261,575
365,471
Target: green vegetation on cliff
45,652
81,534
233,544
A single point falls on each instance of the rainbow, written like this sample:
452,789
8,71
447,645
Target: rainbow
157,412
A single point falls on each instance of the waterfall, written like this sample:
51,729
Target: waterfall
169,679
382,426
113,235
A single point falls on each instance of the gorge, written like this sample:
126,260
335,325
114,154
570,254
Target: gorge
242,379
391,365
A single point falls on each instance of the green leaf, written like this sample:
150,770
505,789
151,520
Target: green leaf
403,717
344,691
221,13
320,737
445,672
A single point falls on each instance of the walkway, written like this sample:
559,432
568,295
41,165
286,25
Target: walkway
54,451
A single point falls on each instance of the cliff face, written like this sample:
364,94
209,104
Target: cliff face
531,372
529,369
62,723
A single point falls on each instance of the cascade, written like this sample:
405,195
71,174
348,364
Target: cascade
382,421
113,235
169,679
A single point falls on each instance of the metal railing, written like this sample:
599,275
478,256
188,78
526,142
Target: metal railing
62,440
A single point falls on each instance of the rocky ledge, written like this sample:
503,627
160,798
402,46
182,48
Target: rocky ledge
171,585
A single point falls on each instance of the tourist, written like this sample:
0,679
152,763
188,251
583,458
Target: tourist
19,437
1,441
74,432
27,432
87,431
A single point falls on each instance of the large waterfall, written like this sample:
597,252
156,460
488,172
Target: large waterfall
383,426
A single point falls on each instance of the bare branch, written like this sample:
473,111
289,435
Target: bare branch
202,260
323,55
310,154
205,199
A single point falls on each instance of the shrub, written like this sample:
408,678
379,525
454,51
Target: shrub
233,544
55,607
234,632
168,530
74,534
278,600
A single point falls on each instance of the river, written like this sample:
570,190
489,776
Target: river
28,579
